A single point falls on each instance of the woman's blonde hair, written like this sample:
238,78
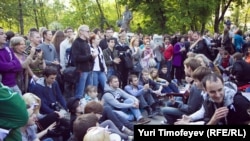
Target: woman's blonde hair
133,41
97,134
31,100
151,71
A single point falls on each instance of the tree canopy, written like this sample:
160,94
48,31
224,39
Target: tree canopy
153,16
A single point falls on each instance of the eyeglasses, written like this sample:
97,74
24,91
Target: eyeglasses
21,44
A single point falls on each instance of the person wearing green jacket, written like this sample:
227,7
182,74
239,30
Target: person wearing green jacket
13,114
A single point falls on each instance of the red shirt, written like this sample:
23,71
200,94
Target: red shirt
169,51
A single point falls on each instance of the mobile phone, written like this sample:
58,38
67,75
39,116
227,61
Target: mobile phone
38,49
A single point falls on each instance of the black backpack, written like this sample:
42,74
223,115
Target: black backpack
70,57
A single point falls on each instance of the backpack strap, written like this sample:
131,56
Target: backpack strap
108,91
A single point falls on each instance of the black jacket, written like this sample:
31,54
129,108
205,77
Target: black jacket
83,59
237,111
241,71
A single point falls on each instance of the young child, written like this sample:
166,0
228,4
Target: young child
90,95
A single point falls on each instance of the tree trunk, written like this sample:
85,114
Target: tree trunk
203,25
162,21
223,11
216,15
118,11
21,17
237,13
80,9
246,19
35,14
43,16
103,19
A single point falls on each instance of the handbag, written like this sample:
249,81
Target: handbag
71,75
127,61
137,67
152,63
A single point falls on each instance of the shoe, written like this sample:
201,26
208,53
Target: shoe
152,114
164,122
128,131
161,103
143,121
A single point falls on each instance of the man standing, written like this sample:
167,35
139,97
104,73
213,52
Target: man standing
10,65
83,59
104,42
49,51
66,44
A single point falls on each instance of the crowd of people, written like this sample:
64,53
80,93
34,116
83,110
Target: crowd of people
119,81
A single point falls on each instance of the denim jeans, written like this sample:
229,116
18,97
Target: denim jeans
99,77
170,88
119,121
131,114
146,100
111,71
169,67
48,139
177,98
85,80
112,128
171,114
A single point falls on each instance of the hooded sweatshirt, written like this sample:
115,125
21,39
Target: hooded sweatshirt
111,98
236,103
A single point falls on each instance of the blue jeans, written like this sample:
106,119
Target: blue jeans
131,114
99,77
171,114
146,100
48,139
111,71
85,80
113,129
170,88
169,67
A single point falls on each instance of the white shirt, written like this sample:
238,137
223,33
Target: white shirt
65,44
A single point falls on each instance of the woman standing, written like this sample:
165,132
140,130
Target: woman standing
100,68
135,53
19,46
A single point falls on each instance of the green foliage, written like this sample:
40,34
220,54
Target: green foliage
154,16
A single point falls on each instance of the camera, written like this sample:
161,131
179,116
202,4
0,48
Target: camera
55,106
38,49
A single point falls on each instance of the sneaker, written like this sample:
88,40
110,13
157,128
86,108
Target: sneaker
164,122
128,131
143,121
